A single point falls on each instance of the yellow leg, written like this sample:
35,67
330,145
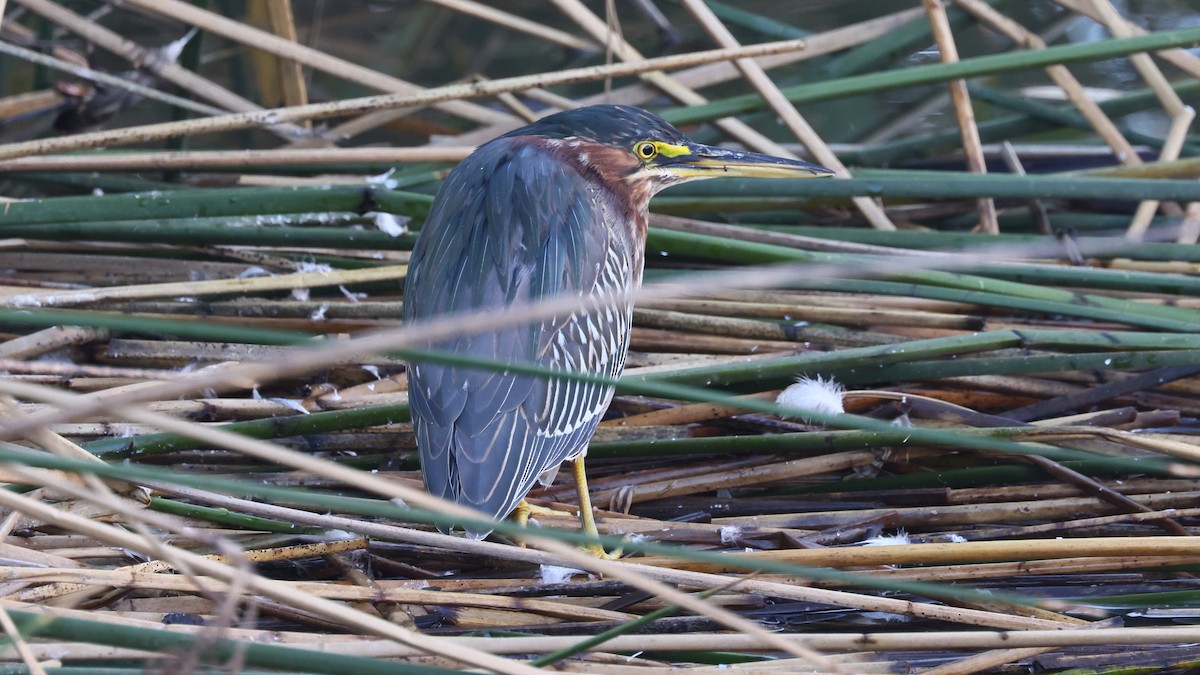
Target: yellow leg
585,511
521,513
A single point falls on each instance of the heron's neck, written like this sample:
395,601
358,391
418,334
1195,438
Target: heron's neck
607,170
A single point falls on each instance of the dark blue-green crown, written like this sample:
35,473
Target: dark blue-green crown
616,125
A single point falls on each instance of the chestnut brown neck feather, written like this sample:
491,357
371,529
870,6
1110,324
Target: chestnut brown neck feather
611,168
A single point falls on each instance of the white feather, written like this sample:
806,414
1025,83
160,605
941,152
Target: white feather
898,539
553,574
816,395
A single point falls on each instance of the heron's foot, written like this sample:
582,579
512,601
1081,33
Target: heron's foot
524,510
590,529
598,551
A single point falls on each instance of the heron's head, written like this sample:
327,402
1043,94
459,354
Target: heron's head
647,152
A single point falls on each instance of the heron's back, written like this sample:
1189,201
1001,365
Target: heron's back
509,227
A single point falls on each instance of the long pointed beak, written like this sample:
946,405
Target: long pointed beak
705,161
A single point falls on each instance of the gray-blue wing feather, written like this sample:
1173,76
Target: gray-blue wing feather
511,226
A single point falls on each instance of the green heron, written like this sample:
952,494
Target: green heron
554,208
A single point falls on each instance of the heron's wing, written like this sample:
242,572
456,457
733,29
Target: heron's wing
510,226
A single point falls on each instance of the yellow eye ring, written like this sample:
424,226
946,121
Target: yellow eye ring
646,151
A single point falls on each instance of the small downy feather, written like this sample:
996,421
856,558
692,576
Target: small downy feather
898,539
553,574
817,395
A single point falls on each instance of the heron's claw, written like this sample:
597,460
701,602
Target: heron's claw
598,551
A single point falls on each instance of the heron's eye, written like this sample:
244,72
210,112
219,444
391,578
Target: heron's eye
646,151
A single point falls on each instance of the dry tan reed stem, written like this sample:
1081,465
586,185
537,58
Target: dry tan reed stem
1172,145
982,662
220,159
6,623
47,340
374,120
1151,442
961,100
283,24
57,298
971,551
687,414
833,642
158,576
1189,229
677,487
819,314
1032,568
75,579
853,643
